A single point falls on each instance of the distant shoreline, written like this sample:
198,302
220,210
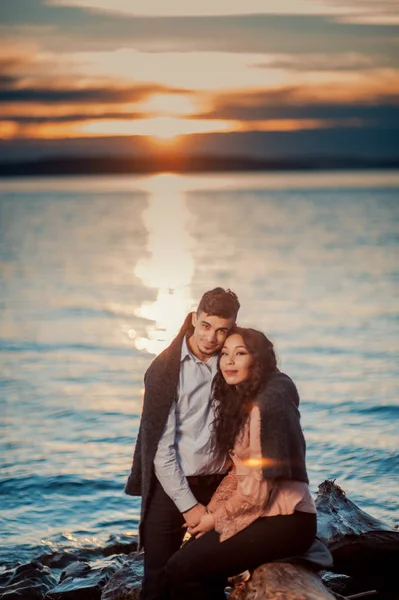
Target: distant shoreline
103,165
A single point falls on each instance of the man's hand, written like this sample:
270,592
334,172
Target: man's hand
193,516
207,523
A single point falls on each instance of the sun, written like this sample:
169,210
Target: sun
167,128
166,105
163,115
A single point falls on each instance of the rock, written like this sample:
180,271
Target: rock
371,558
342,584
281,581
30,581
74,570
80,581
116,544
363,547
339,518
58,560
125,584
120,544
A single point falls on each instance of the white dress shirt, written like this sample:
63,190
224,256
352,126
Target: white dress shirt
185,447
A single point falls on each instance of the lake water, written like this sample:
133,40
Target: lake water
98,273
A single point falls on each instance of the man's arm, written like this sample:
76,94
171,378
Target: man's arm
170,474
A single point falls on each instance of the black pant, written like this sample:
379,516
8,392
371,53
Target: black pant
163,532
199,570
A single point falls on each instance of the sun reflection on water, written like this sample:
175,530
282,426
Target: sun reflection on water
170,266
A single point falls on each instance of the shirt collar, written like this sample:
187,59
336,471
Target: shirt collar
185,353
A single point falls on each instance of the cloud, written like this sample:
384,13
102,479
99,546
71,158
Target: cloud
76,63
233,7
66,29
353,142
338,61
293,103
89,95
285,108
70,118
367,12
25,80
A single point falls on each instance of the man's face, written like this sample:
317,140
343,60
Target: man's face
210,332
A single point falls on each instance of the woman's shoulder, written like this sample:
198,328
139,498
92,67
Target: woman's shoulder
279,380
279,387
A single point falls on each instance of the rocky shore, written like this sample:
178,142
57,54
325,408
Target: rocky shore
365,552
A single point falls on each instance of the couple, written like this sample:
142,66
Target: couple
221,454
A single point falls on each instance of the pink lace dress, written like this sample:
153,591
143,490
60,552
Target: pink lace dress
244,495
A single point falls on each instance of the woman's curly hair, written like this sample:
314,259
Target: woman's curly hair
232,403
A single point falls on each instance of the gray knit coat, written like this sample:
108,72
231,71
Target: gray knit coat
161,380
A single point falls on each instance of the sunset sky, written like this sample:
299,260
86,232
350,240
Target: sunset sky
162,69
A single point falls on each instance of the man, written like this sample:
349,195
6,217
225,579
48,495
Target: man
174,468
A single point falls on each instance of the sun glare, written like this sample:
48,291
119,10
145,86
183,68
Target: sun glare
168,128
165,128
167,105
170,266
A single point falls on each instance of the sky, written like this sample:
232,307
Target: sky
76,73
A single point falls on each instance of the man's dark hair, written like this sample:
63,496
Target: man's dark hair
219,302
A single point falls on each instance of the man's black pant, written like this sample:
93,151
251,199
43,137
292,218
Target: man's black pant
163,532
198,571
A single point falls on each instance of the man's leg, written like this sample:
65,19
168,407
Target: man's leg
199,570
162,535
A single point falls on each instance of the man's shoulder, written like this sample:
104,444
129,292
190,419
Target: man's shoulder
163,360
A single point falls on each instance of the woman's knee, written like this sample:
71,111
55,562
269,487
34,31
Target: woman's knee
174,572
184,566
194,560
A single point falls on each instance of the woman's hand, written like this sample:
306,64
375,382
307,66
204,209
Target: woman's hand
206,524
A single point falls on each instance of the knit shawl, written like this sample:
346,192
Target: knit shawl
282,440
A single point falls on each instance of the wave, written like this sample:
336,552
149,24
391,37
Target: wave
55,484
41,347
388,411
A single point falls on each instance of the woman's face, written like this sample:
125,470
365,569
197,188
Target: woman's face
235,360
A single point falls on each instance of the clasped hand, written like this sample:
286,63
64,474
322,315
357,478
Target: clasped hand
198,521
206,524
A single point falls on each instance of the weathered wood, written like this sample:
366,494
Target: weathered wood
363,547
281,581
340,520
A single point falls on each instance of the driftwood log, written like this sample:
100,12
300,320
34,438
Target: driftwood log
281,581
364,548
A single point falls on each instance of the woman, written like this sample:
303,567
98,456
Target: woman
263,509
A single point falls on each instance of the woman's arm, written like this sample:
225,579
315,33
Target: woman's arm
225,490
282,439
250,497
